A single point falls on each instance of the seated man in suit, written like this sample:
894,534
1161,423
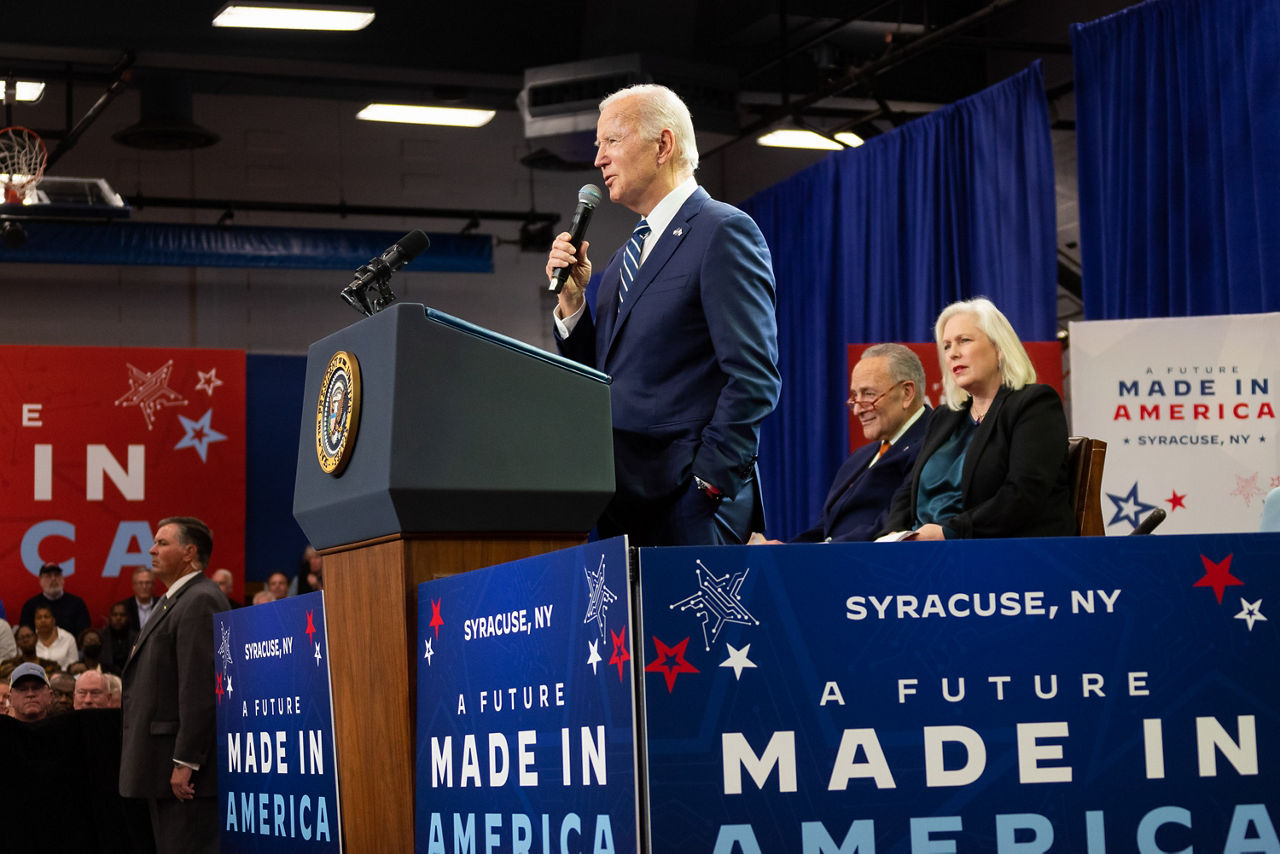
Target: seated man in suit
885,395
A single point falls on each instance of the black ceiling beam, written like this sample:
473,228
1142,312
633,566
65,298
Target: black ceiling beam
120,79
342,209
869,71
868,9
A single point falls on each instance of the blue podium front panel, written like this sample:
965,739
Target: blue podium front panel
1066,695
526,707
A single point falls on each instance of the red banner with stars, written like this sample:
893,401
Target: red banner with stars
98,444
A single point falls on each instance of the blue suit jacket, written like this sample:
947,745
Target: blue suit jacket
857,506
693,353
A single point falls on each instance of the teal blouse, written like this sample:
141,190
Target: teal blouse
939,496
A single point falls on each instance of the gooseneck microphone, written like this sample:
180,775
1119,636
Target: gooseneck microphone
1148,524
378,272
588,198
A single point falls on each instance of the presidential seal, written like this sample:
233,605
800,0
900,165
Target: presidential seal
338,412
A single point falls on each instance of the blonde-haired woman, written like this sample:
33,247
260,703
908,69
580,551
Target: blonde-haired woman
994,461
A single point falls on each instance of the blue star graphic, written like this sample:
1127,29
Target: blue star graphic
198,435
1128,507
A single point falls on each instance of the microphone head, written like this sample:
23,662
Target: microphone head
413,243
589,195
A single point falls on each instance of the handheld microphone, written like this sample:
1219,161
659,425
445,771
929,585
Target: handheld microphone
1147,525
588,198
378,271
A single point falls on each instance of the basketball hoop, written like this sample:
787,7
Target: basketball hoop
22,160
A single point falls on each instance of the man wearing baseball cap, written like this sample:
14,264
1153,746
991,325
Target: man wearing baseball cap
69,610
29,693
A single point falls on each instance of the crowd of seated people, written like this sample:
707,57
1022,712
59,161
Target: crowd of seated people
61,698
55,634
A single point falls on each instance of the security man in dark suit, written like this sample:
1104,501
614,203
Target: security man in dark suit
683,320
167,756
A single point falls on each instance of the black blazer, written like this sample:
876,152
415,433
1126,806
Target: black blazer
1015,479
858,502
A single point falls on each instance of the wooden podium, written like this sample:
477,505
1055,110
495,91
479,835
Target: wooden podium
469,449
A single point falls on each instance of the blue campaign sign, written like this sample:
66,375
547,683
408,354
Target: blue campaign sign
277,779
526,705
1081,695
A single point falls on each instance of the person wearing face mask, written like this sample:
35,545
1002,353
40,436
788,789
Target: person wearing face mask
117,639
994,459
91,652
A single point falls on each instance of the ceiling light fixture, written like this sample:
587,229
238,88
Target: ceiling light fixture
798,138
849,138
293,16
26,91
419,115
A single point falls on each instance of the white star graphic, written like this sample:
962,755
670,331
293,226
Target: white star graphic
199,435
317,655
594,658
738,660
208,380
229,689
430,652
1251,612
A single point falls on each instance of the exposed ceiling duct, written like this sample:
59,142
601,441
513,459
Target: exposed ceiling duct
166,118
560,103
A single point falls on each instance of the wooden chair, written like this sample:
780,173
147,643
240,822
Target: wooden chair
1085,458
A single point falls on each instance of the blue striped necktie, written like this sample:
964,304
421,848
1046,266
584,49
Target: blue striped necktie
631,259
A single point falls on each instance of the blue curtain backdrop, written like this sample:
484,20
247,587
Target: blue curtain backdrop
1178,138
274,415
871,243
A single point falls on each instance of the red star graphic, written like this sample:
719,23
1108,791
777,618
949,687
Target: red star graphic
436,621
217,686
675,654
311,628
1175,500
620,654
1218,576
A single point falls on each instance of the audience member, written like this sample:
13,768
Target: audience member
52,641
76,668
994,461
91,691
63,688
29,693
25,639
310,576
140,605
262,597
69,610
4,696
113,690
91,647
117,638
278,584
8,646
227,583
